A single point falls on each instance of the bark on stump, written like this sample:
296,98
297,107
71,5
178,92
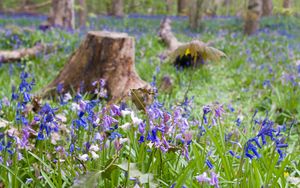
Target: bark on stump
253,15
62,14
102,55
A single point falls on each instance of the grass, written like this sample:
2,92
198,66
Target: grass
260,76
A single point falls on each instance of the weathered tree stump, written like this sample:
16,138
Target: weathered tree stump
102,55
252,19
62,14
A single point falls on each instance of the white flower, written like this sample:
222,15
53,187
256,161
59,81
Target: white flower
125,112
74,106
94,147
125,126
84,157
94,155
54,138
67,97
135,120
123,140
61,117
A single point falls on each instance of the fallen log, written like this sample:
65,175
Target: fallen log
188,54
101,55
9,56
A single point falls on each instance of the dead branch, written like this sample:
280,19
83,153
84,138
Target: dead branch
7,56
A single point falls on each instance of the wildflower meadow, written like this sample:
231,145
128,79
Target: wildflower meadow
227,123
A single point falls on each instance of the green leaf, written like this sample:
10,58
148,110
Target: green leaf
183,177
10,171
48,179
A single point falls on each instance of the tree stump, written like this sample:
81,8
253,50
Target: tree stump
102,55
62,14
252,20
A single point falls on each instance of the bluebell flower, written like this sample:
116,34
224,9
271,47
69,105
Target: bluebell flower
59,88
40,136
206,110
14,95
142,127
115,135
230,107
71,148
208,163
142,139
238,121
115,110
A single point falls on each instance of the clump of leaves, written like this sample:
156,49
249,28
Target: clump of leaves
195,53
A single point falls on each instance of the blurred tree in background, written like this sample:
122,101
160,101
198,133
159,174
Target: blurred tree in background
171,7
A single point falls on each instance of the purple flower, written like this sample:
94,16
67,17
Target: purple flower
206,110
214,179
202,178
115,110
108,121
219,111
142,127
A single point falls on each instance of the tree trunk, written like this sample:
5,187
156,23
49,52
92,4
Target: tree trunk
182,7
195,15
286,4
102,55
267,7
169,6
1,5
62,14
254,13
117,8
82,13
